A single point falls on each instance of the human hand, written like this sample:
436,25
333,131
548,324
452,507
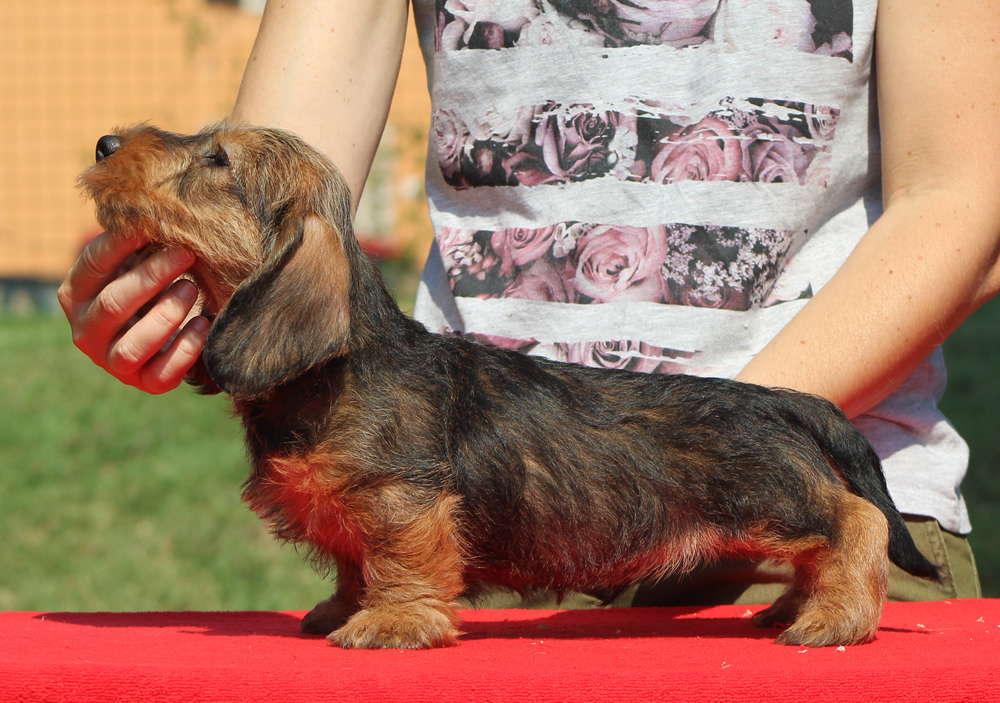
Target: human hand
128,315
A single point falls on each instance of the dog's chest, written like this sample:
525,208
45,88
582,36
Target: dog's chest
302,497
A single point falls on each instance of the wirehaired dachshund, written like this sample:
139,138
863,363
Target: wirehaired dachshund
426,467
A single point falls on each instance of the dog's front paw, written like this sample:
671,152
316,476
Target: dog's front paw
817,629
327,616
418,624
783,612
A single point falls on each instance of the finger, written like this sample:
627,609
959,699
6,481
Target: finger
96,266
166,370
124,296
142,340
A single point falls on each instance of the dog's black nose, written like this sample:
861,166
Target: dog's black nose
107,145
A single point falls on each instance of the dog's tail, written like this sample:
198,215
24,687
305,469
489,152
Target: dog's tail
854,458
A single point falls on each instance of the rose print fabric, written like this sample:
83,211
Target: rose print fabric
612,354
660,186
750,141
821,27
650,139
572,262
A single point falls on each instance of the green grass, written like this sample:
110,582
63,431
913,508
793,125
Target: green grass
114,500
972,403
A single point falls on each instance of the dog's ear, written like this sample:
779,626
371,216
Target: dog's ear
289,316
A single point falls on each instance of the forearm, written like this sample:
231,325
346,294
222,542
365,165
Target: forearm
931,259
326,70
922,268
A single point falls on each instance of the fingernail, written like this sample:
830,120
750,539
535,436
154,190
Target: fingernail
200,325
187,291
180,257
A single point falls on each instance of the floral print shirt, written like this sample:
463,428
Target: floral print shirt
660,185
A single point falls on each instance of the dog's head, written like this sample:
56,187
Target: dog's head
268,218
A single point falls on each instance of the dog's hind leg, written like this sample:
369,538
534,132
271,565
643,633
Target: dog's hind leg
839,589
413,577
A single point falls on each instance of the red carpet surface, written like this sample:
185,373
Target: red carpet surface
945,651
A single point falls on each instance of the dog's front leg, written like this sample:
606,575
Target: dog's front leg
412,574
333,612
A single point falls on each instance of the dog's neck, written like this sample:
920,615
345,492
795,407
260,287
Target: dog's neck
376,320
299,412
378,331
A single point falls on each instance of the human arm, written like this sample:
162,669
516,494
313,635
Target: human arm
325,69
932,257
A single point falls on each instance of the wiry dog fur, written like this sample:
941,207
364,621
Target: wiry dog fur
426,467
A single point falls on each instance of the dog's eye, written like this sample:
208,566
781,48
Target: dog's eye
219,159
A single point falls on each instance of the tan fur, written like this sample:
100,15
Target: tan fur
839,587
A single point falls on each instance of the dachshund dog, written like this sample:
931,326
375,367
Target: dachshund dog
424,467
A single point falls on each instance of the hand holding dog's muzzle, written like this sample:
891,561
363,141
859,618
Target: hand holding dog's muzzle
127,312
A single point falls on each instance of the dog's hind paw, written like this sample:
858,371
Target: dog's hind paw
413,625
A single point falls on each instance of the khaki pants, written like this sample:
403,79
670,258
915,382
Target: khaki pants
746,583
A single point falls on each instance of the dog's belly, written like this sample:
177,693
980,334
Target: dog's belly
556,564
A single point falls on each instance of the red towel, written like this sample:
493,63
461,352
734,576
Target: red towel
945,651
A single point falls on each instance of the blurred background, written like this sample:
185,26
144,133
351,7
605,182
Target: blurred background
114,500
73,71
